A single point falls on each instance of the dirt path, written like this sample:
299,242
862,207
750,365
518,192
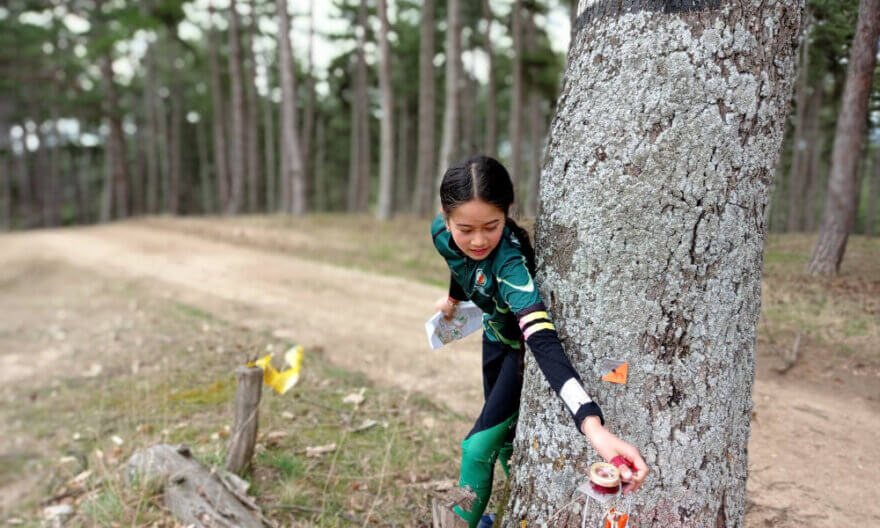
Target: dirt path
803,432
362,321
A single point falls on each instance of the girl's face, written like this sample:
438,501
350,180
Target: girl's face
476,226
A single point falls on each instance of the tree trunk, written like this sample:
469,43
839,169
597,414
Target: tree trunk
253,120
516,98
238,151
491,144
53,200
467,130
536,126
292,176
175,140
6,190
840,201
425,166
354,151
83,189
361,197
448,154
321,183
873,194
117,168
649,250
403,187
205,187
801,176
309,114
218,119
25,191
270,139
800,155
386,155
164,145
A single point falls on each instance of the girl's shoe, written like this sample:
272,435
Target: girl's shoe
487,521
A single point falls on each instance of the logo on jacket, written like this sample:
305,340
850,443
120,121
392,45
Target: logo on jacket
480,279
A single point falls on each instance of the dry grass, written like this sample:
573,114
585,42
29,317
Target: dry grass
166,377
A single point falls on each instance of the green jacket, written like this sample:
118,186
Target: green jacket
500,284
513,313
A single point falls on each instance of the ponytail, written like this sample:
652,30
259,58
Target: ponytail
525,244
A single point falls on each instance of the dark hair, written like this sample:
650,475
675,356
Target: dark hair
484,178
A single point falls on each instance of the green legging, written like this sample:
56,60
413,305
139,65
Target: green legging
479,452
492,435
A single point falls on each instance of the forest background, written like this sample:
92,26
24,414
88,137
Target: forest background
117,109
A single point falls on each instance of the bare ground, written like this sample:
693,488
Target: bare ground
815,425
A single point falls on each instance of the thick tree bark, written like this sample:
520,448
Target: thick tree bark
649,249
238,151
292,176
448,153
491,144
840,200
218,119
425,165
386,154
516,97
254,162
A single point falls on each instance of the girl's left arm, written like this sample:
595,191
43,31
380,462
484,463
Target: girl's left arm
517,289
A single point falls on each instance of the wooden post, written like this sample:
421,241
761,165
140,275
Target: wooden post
441,507
244,431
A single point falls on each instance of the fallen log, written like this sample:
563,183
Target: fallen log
195,495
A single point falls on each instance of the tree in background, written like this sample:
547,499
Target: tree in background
451,126
292,177
841,199
386,159
649,250
425,165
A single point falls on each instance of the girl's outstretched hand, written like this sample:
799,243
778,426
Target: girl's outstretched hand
609,446
444,305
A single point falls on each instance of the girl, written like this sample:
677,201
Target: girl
492,264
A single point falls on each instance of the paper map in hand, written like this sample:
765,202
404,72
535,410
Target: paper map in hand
466,319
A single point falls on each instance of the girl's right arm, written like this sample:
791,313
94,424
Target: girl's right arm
456,295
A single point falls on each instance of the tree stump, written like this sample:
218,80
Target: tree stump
441,507
195,495
244,430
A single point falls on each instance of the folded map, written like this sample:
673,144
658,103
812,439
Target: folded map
466,319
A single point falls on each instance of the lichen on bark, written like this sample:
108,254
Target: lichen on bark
649,243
